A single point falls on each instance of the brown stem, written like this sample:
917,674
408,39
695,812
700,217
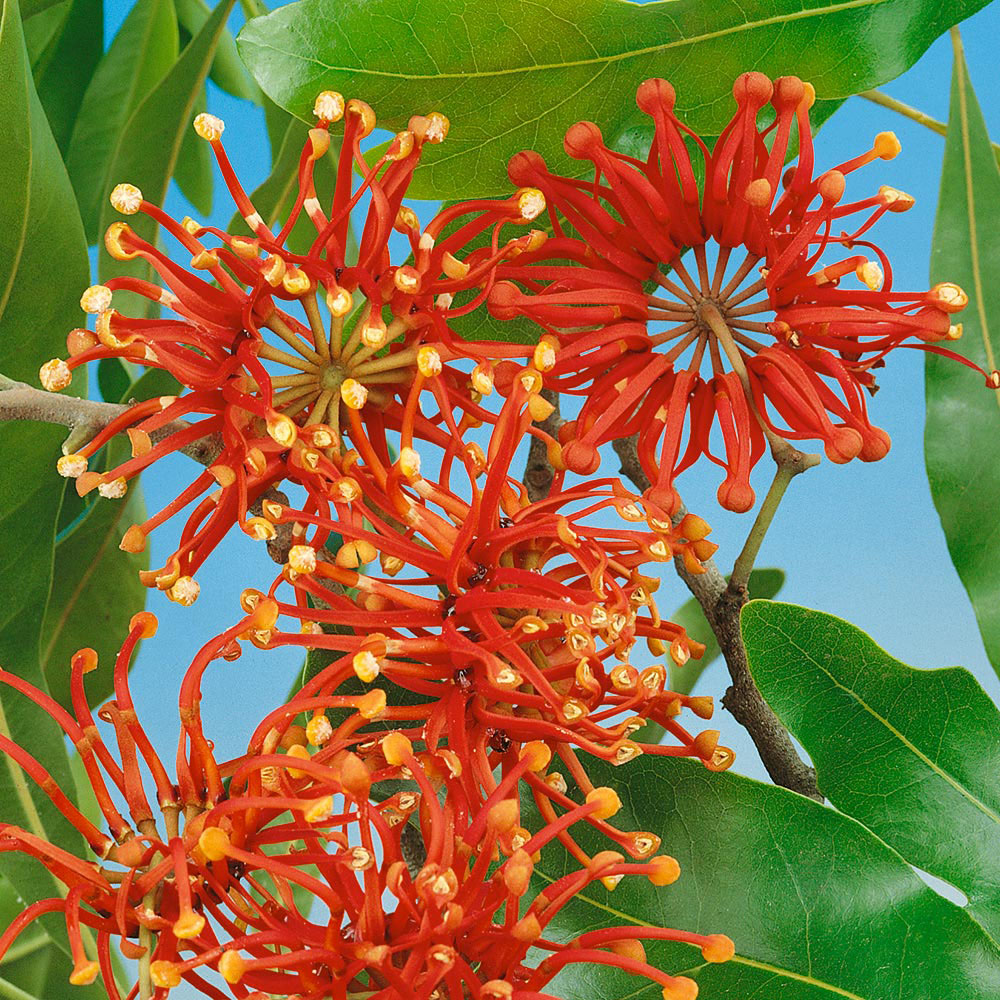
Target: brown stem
721,605
538,473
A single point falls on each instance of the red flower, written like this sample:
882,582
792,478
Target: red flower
792,350
328,811
343,360
506,621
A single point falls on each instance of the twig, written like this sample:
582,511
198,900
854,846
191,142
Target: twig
538,473
721,604
914,114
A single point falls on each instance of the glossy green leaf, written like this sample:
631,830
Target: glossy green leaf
112,378
228,71
764,583
95,590
818,907
137,60
64,68
194,171
39,224
515,75
962,433
912,754
151,141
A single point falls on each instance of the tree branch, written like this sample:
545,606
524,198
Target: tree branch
538,473
721,605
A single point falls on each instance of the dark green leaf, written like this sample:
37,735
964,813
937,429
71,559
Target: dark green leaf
139,57
962,434
818,907
150,144
910,753
112,379
763,583
41,28
194,170
517,74
228,71
39,225
64,68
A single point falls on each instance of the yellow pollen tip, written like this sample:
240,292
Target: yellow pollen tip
55,375
871,274
545,355
188,925
208,127
530,203
949,296
373,333
366,666
886,145
409,462
396,748
482,378
71,466
302,558
339,302
681,988
663,870
353,393
607,801
319,810
96,299
319,730
718,948
437,127
126,198
84,973
329,106
165,975
231,966
214,843
113,490
429,361
184,591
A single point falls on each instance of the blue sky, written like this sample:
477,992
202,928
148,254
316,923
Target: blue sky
861,541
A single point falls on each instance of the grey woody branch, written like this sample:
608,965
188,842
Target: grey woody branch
721,604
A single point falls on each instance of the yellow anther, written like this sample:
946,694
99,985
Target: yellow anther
401,146
607,802
281,430
339,301
113,490
319,810
894,199
295,281
329,106
954,332
482,378
214,843
273,270
302,558
244,248
96,299
353,393
429,361
55,375
366,666
530,203
231,966
126,198
407,279
409,462
209,127
71,466
545,355
373,332
184,591
718,948
886,145
949,296
259,529
319,730
365,113
188,925
84,973
205,260
871,274
437,128
396,748
165,975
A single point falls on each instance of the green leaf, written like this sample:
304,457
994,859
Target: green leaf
910,753
64,68
515,75
194,170
95,590
112,378
763,583
39,226
139,57
962,433
228,71
818,907
151,142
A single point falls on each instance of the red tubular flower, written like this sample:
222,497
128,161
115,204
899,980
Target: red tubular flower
333,812
509,621
791,351
337,366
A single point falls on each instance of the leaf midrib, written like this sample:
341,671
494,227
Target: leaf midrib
596,60
961,789
737,959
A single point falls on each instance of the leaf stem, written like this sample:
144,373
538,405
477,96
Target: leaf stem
915,114
11,992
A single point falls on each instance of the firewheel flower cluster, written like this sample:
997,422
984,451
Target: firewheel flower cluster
479,653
